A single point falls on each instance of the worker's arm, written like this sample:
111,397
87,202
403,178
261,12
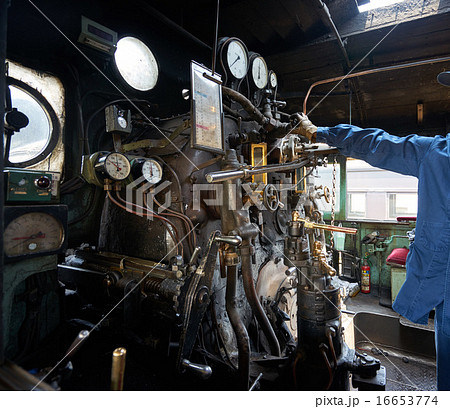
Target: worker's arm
377,147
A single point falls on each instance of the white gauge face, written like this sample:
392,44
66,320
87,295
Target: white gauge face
117,166
152,171
33,232
136,63
259,72
122,122
273,79
237,59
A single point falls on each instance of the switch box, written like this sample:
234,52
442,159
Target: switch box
24,185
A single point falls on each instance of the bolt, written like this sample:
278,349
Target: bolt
203,296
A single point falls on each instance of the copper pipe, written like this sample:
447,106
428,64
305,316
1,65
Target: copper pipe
252,298
118,369
330,372
333,351
372,71
243,341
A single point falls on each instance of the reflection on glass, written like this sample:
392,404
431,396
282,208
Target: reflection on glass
30,141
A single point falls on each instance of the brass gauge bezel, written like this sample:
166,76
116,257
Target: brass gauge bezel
43,214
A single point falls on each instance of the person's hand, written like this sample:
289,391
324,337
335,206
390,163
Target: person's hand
305,127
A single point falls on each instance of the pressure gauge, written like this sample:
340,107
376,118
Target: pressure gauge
259,72
115,166
39,230
273,81
152,171
237,59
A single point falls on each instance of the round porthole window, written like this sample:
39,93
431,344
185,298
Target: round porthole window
37,139
136,64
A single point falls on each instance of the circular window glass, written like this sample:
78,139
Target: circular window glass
31,140
136,64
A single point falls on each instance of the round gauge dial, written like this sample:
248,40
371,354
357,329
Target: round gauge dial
136,63
152,171
117,166
237,59
273,81
259,72
32,233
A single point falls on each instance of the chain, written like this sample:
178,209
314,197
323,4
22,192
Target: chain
333,201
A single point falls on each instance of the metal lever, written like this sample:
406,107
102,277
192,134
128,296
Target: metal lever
194,256
231,240
220,176
203,371
311,225
75,346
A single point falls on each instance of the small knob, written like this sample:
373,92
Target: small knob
43,182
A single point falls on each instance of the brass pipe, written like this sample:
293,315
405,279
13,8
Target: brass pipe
372,71
311,225
118,369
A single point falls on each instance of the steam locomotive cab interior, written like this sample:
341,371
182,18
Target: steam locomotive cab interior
166,227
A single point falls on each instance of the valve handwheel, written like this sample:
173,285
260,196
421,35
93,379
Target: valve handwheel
271,198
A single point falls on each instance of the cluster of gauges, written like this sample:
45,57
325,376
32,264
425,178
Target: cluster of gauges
118,167
237,61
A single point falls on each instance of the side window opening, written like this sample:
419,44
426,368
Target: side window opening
40,96
377,194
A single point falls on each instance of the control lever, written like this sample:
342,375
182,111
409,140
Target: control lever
203,371
235,241
194,256
76,344
311,225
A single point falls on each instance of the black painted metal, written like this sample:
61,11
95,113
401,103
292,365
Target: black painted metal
3,20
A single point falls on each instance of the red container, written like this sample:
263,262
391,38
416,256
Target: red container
365,278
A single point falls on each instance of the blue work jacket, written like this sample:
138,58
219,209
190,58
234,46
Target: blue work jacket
428,264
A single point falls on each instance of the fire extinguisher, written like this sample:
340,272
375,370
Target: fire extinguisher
365,276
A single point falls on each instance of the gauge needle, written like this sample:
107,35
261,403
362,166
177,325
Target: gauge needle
117,166
237,59
39,235
259,71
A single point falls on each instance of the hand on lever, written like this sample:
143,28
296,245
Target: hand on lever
305,127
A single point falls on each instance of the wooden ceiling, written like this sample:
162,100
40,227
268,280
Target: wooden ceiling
299,45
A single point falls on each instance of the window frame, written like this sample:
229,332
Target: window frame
53,119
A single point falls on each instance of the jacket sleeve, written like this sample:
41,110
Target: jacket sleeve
377,147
